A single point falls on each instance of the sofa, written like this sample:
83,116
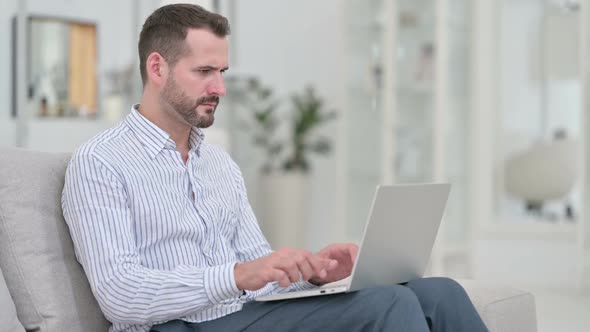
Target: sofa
43,288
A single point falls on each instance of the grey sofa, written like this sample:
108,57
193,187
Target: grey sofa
43,288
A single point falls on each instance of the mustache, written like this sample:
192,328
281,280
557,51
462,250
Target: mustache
208,100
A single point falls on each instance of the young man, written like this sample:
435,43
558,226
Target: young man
163,228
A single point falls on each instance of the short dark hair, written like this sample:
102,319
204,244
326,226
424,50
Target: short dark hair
165,30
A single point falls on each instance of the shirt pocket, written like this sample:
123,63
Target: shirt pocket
226,221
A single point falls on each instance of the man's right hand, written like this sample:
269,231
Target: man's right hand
285,266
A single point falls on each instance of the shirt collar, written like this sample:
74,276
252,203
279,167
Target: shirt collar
195,139
154,139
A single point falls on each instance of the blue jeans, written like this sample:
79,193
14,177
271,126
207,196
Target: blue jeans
421,305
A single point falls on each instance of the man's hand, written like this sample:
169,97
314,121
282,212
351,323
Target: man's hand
285,266
344,254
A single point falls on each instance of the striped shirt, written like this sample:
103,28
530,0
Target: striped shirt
159,238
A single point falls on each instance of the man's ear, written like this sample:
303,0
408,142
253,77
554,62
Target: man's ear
157,68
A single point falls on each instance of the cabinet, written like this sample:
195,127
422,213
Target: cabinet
409,96
436,87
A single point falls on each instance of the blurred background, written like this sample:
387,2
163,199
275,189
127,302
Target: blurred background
327,99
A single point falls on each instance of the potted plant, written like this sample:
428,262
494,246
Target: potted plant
308,114
261,120
287,138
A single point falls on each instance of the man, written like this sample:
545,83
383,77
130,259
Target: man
163,228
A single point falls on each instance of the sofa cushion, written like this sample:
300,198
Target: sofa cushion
8,318
503,309
46,282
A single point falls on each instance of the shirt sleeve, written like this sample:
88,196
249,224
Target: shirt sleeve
250,243
95,207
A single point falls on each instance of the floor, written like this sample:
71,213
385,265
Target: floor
547,268
562,310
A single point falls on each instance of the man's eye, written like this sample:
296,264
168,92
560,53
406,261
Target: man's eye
204,71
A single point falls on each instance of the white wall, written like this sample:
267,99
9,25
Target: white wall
117,32
519,92
290,44
520,82
287,43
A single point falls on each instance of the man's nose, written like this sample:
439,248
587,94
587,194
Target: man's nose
217,86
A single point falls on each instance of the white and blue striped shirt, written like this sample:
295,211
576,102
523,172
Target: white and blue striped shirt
158,238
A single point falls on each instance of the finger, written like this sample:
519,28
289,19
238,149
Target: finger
291,270
318,264
288,260
281,277
353,252
332,264
305,268
326,265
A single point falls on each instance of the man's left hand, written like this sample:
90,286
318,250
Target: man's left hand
344,254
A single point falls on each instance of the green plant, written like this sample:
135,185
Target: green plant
262,119
308,114
285,138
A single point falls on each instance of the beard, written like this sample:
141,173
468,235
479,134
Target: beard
186,107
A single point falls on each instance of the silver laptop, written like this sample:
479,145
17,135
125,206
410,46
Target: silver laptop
397,241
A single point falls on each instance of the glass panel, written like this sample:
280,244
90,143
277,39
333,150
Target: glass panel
365,28
537,175
415,62
48,71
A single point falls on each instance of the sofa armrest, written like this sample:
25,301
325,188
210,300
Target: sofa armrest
503,309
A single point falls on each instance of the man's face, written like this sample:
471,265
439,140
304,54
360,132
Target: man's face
195,83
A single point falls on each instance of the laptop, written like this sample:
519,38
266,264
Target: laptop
397,241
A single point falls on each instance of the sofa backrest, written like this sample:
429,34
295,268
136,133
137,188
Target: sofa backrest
48,285
8,318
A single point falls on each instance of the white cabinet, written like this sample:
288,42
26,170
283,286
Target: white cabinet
436,87
410,99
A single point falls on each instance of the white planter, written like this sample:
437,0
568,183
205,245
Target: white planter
283,207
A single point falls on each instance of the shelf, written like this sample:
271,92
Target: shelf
542,231
417,89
